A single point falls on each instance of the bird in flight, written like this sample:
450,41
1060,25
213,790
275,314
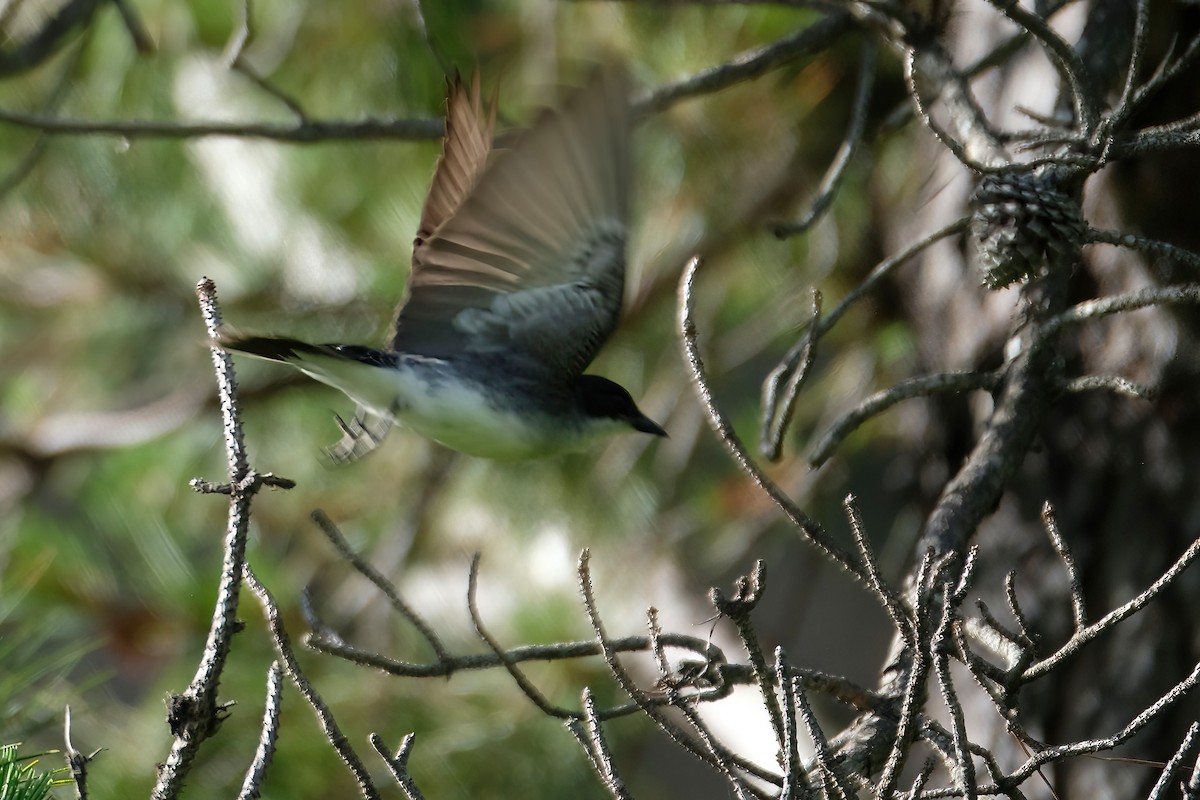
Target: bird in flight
518,272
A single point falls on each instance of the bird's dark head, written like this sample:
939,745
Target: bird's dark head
600,398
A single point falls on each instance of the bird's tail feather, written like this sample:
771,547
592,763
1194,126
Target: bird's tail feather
360,372
273,349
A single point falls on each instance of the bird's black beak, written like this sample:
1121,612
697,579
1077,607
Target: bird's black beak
647,425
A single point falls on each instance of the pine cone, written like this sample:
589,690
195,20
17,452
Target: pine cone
1019,220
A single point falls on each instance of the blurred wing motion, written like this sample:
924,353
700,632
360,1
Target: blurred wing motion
523,253
518,272
465,147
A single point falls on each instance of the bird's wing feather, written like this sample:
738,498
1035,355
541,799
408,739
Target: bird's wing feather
465,147
533,260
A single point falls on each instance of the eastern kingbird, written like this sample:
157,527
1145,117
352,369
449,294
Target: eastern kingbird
518,270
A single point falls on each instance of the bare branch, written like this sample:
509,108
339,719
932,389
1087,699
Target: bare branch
708,751
333,733
1085,635
397,763
1111,383
1167,71
267,737
789,376
383,584
1137,51
300,132
1078,608
964,774
195,714
526,686
883,268
1087,106
1021,400
1142,298
77,762
749,591
811,530
946,382
749,65
1159,792
915,659
1014,608
887,596
1049,754
919,782
1141,243
837,168
796,784
590,734
831,771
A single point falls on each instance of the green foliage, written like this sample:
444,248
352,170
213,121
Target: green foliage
20,778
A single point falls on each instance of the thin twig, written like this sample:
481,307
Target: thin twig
795,785
1135,242
1087,108
1111,383
919,782
1136,52
590,734
335,537
887,596
750,589
749,65
1192,790
1015,640
268,735
916,660
731,674
945,382
811,530
941,645
526,685
1050,754
77,762
333,733
300,132
1078,609
1159,792
1085,635
397,763
707,750
1014,608
834,779
884,267
195,714
841,160
783,383
1169,71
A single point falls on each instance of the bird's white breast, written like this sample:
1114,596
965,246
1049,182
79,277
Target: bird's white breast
458,416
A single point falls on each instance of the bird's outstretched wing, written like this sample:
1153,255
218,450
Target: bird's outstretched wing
532,262
465,147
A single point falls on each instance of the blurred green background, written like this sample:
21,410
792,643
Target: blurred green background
108,561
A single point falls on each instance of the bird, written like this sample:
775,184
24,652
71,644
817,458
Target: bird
517,279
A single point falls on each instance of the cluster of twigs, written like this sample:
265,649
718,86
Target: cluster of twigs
1028,220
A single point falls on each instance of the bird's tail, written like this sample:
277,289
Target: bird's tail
364,373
